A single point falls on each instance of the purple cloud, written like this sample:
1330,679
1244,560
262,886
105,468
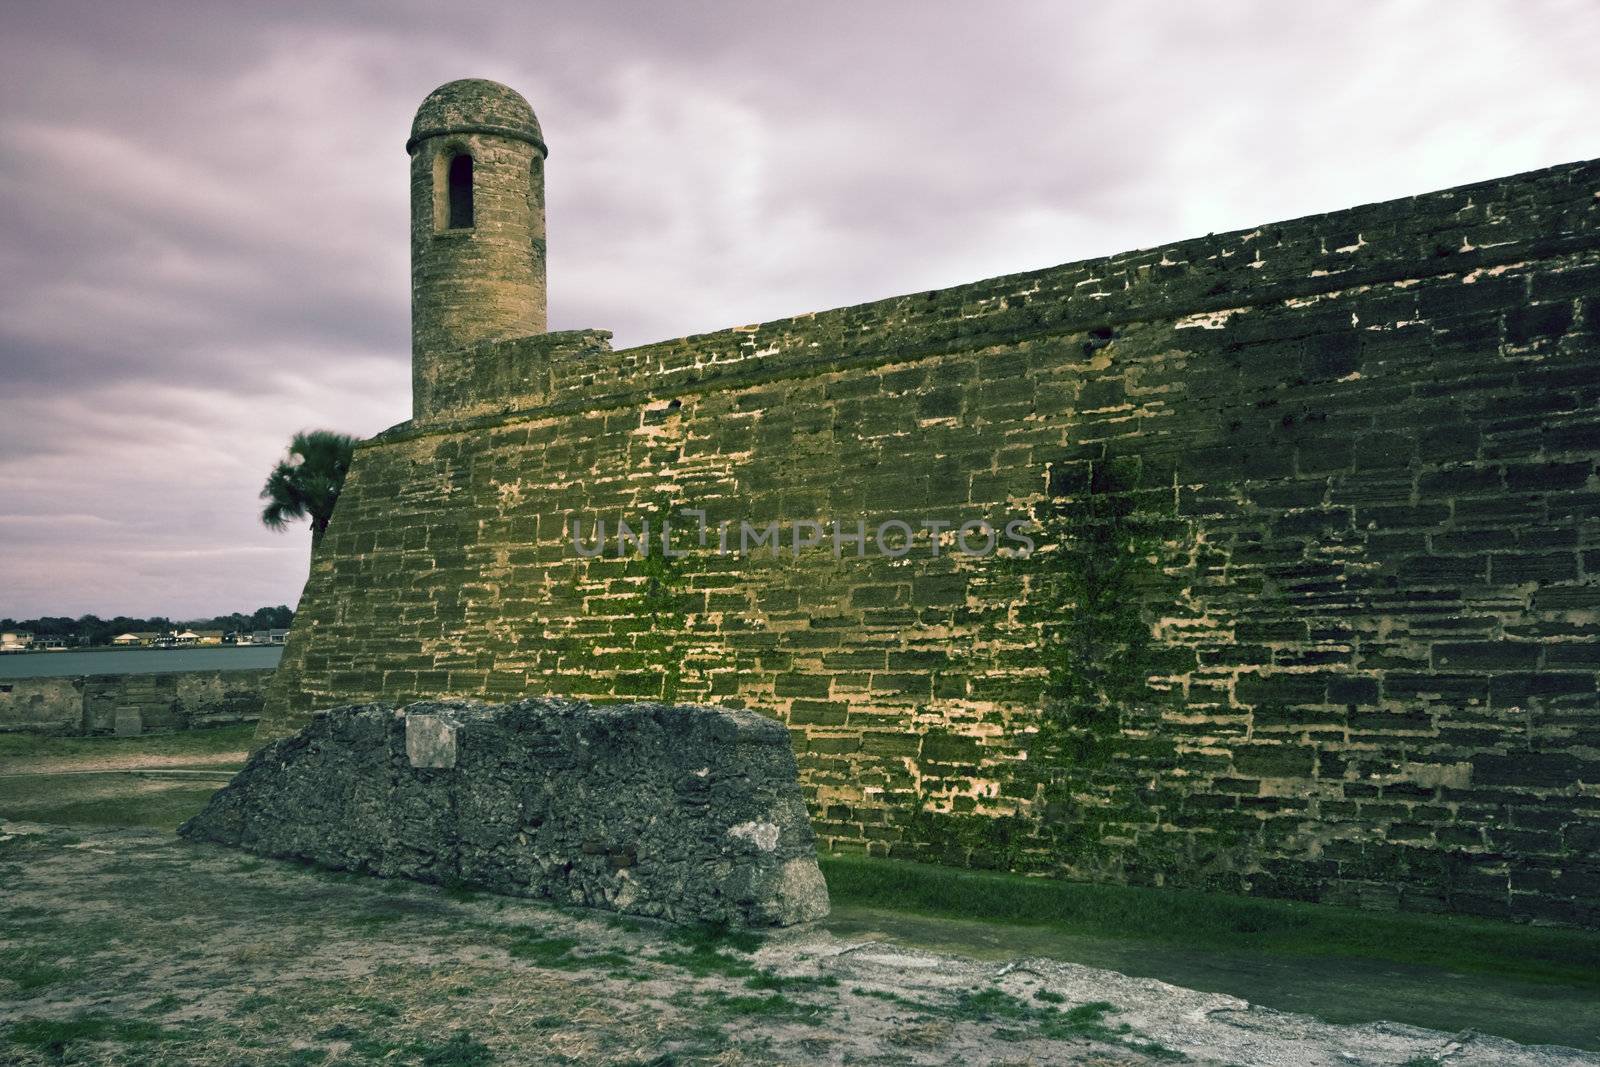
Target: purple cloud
204,211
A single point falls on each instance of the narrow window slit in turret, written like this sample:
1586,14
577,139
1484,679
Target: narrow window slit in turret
460,179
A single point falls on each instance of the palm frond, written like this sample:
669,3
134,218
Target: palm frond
307,482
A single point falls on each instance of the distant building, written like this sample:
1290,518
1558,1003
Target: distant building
209,637
51,644
184,639
131,640
15,641
268,637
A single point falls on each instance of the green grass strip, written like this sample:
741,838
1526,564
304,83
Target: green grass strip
57,1033
1218,921
211,741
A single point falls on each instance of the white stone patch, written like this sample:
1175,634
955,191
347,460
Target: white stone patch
509,493
1209,320
763,835
1491,272
1314,299
1428,775
431,742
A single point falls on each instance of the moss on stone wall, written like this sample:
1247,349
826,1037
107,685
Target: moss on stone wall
663,598
1089,593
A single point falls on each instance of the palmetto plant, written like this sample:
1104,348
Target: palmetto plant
306,484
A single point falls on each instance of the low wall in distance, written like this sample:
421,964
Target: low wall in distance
131,703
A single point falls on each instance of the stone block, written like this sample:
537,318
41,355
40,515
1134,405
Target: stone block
682,812
1274,761
430,741
128,722
1487,655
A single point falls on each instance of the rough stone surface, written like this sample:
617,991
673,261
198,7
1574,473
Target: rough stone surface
681,812
1321,617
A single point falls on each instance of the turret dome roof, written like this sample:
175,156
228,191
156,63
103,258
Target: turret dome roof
476,105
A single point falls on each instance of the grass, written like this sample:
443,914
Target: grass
711,950
702,951
32,973
200,743
1220,922
460,1049
546,951
102,800
1013,1019
168,1003
556,953
769,1006
113,798
784,984
461,892
54,1035
1085,1022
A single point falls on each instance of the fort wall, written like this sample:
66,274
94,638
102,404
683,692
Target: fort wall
1315,605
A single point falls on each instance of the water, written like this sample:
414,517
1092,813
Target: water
137,661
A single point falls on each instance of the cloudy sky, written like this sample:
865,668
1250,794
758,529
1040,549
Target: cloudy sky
203,210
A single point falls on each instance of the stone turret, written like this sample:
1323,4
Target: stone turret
477,226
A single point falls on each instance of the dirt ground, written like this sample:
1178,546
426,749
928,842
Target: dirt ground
131,946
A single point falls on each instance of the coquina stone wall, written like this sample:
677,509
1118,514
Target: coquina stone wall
1314,613
131,703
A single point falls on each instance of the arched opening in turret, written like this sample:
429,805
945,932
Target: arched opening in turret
460,192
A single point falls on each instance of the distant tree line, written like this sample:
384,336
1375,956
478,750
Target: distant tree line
93,630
